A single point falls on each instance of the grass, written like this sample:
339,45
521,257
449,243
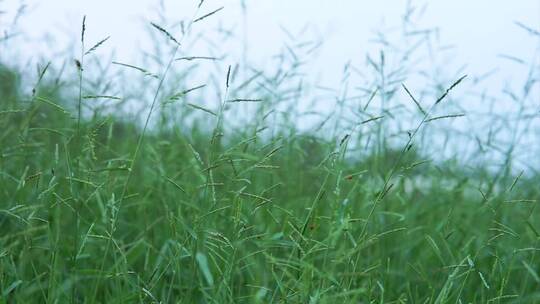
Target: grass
195,206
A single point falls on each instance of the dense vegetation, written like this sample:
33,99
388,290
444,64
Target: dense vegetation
96,207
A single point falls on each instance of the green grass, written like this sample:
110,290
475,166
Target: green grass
282,219
191,207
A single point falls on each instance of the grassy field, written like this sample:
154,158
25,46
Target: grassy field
167,207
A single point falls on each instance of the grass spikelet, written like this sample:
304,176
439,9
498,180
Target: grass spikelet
83,29
228,76
193,89
13,111
450,89
521,201
244,100
101,97
371,119
445,116
165,32
97,45
179,95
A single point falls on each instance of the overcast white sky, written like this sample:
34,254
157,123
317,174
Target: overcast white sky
479,30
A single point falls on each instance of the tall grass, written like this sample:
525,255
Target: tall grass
233,201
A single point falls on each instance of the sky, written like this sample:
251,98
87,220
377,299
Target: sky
480,30
469,37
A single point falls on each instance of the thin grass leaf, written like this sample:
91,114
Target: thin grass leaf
512,58
202,261
41,74
83,243
11,288
531,271
175,184
250,195
208,15
190,58
371,119
145,72
54,105
48,130
101,97
527,28
483,280
515,182
414,99
371,97
202,109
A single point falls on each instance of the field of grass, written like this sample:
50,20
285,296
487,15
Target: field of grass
187,204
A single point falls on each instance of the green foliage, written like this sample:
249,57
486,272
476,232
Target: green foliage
228,200
249,219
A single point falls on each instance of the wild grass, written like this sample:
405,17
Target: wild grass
232,202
